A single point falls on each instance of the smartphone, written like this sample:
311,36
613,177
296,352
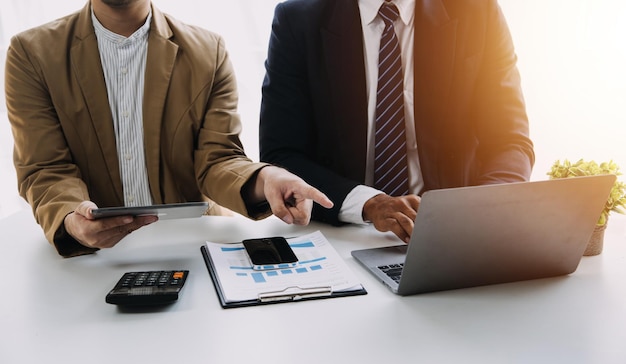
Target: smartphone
270,253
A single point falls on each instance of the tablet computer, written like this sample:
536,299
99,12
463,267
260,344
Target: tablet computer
166,211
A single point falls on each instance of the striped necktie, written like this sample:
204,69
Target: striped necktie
390,165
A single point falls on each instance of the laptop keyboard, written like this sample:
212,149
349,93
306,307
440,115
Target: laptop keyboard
394,271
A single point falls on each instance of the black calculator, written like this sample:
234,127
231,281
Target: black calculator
148,288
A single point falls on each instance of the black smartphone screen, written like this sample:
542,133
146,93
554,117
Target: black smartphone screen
269,251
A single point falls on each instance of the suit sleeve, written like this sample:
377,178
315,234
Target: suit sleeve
505,150
47,178
289,132
222,168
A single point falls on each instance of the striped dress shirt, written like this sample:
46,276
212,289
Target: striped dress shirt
352,207
124,64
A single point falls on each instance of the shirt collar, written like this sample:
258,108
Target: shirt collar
369,9
139,34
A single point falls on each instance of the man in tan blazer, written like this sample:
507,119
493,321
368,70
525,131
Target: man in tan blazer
64,112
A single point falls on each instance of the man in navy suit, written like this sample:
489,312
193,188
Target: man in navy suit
465,115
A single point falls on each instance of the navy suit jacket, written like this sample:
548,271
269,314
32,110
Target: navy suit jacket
471,123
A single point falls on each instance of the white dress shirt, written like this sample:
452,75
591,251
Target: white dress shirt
124,64
373,26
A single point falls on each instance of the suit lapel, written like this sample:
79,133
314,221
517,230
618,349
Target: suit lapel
86,65
157,81
435,42
434,53
342,39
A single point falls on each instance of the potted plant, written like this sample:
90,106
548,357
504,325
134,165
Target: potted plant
616,202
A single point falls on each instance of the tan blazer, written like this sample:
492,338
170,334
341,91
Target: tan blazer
65,149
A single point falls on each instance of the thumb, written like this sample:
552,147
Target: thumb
84,209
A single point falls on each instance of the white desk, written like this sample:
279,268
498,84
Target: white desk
53,310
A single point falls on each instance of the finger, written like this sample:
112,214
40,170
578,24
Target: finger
141,221
84,209
110,241
401,233
137,224
392,224
301,213
414,202
112,223
316,195
134,224
279,207
405,206
111,237
123,230
406,225
397,223
406,214
283,213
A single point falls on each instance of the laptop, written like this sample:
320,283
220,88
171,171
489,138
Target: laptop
482,235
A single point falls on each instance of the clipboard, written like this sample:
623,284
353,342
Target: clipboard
289,293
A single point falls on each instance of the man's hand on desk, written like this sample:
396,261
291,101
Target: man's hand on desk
395,214
101,233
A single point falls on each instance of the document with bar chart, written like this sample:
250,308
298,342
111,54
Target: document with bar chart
319,273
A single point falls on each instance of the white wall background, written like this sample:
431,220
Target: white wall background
572,57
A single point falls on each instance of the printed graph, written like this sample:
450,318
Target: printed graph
309,261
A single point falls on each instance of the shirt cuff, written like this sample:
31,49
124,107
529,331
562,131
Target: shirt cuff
352,208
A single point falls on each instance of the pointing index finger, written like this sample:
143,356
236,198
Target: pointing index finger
317,196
